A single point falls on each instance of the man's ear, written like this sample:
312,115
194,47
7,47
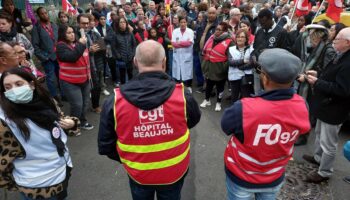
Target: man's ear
2,60
164,64
135,63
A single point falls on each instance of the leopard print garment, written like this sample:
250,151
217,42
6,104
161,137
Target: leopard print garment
11,149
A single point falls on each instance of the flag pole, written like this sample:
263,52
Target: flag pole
295,7
318,12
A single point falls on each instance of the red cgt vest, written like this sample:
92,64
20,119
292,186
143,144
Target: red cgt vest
154,145
270,130
218,52
139,38
77,72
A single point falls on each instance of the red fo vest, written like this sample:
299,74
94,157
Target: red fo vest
270,130
75,72
153,145
139,38
218,52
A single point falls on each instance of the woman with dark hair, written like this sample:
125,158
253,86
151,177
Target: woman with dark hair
160,21
215,66
8,33
38,163
334,30
123,47
240,72
245,25
62,18
182,41
16,14
74,74
154,35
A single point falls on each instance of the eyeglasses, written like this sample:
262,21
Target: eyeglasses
337,39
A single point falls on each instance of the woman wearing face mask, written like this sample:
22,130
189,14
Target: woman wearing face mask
240,72
38,163
215,66
8,33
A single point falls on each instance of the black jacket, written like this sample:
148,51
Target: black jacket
276,38
200,31
146,91
66,54
123,46
330,101
42,42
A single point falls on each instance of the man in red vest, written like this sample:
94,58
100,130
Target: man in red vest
145,126
264,129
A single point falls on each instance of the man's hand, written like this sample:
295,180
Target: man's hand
83,40
94,48
311,72
66,123
311,79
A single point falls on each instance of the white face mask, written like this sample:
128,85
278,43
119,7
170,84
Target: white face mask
20,95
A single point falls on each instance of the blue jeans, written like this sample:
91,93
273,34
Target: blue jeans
78,98
146,192
198,69
51,71
236,192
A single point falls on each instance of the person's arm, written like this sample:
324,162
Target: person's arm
39,53
232,121
340,87
234,62
283,40
107,137
192,110
10,149
66,54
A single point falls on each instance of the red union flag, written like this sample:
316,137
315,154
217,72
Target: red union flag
302,7
66,6
335,7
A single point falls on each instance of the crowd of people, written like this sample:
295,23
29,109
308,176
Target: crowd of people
253,49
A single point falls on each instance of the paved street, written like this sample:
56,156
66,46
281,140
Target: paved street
98,178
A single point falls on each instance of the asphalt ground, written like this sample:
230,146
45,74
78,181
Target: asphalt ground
96,177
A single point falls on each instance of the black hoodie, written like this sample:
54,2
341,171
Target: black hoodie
146,91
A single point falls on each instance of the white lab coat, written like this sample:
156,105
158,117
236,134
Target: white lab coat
183,57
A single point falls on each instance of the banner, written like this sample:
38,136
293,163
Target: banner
29,12
66,6
302,7
335,7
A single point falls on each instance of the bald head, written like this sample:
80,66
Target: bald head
211,14
341,43
150,56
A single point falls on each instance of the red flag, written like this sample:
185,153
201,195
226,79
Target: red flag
66,6
302,7
335,7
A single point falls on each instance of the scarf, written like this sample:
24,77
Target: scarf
45,117
311,63
8,36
